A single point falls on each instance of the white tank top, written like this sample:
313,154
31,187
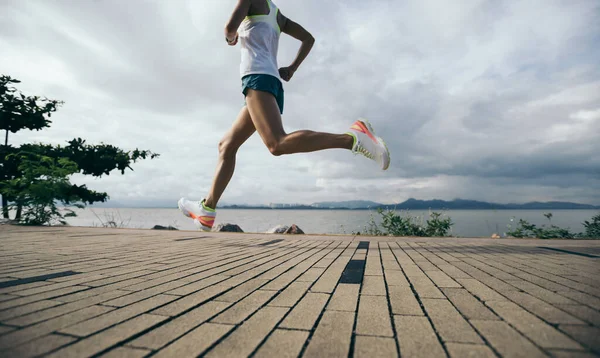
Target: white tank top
259,40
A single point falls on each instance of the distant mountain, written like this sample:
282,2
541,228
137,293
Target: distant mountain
456,204
460,204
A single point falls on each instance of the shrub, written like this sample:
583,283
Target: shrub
528,230
393,224
592,229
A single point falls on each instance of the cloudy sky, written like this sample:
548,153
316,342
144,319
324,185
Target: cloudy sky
479,99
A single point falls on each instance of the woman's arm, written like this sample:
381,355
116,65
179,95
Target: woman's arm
298,32
238,15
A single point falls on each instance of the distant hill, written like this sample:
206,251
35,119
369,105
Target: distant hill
456,204
460,204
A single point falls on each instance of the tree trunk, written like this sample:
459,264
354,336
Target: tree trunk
19,211
4,198
5,206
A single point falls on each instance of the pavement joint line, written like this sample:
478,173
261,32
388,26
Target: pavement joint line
522,334
318,320
387,294
237,325
276,326
418,298
484,339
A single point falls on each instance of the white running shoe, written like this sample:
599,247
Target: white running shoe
368,144
204,217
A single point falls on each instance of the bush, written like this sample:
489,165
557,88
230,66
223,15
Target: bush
528,230
393,224
592,229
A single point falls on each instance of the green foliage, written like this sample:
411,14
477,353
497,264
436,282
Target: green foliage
18,111
393,224
43,181
35,176
525,229
592,229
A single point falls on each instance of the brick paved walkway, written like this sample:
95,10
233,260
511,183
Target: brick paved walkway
79,292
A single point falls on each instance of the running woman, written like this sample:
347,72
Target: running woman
257,25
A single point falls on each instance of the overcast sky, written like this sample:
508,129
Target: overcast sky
479,99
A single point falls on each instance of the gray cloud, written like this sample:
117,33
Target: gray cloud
491,100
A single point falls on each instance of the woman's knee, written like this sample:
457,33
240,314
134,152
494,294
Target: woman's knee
227,147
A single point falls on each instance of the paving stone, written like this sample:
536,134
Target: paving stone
93,293
571,354
291,295
43,328
311,275
468,305
544,310
538,331
244,308
581,297
96,324
506,340
373,264
5,329
463,350
395,278
103,340
403,301
453,271
283,344
196,341
441,279
327,282
584,313
480,290
6,297
345,298
242,291
126,352
416,337
305,313
26,309
586,335
38,346
170,331
198,285
332,336
42,296
449,324
373,285
250,334
190,301
367,347
425,288
543,294
374,317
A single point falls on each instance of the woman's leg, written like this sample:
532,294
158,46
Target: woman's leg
240,131
266,117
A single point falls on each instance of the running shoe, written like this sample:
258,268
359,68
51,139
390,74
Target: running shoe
204,217
368,144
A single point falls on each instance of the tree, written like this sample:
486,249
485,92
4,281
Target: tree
34,176
18,112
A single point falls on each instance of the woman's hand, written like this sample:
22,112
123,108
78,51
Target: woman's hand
232,42
286,73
